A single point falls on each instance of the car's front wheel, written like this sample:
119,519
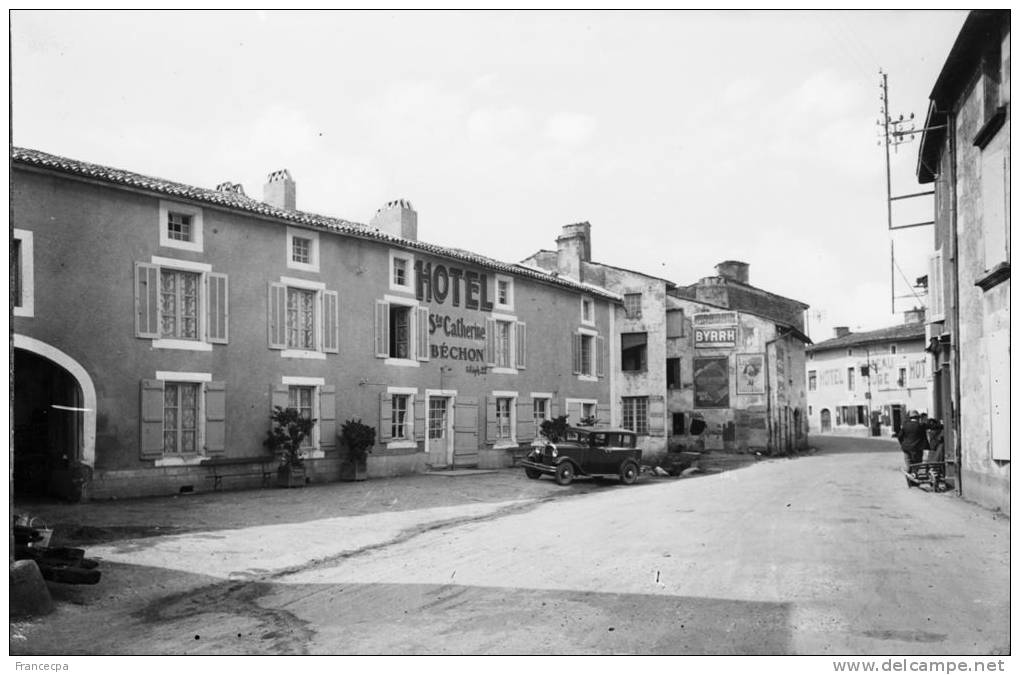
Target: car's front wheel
565,473
629,473
533,474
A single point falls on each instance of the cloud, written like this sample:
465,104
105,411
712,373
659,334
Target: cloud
570,128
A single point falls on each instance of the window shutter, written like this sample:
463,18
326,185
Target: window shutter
600,356
330,322
577,353
277,316
279,395
656,415
419,418
490,419
422,328
603,412
151,436
382,329
936,298
217,314
327,416
574,412
215,418
147,306
525,419
385,415
490,343
521,333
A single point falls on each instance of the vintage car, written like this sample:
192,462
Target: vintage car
587,451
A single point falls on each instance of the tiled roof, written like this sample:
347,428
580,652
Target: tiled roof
906,331
233,200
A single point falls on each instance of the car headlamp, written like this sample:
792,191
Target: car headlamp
555,452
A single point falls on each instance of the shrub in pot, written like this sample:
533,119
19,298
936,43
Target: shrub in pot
289,429
357,439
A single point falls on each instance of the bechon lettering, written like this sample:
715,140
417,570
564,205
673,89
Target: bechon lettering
437,282
455,327
445,351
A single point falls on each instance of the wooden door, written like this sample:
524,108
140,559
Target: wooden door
465,432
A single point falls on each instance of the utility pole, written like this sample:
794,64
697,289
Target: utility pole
894,132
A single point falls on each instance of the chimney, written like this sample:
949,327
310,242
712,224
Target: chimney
573,247
227,186
841,331
733,269
915,315
397,218
280,190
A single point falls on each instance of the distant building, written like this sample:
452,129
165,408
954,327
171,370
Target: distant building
864,384
721,349
965,152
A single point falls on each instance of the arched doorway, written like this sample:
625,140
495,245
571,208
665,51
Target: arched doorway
53,423
826,420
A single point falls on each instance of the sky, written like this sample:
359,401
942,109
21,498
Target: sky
684,138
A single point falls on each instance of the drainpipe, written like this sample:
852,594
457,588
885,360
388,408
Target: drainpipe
768,389
953,205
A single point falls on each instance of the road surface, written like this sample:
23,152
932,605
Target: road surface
824,554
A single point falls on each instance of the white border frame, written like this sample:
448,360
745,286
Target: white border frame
408,442
591,301
302,233
594,334
512,441
512,320
318,287
165,207
27,307
582,402
412,304
203,269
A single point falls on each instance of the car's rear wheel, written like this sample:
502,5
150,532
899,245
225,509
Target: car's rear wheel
565,473
533,474
629,473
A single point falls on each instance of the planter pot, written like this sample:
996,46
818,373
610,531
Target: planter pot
352,469
290,476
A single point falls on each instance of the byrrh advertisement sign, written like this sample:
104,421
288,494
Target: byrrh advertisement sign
715,330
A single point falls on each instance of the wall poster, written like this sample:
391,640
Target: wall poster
750,373
712,382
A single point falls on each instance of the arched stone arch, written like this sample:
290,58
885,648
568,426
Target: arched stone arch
88,389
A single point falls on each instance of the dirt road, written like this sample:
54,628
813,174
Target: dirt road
827,554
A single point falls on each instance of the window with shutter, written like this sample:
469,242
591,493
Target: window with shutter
327,416
521,333
422,330
331,322
215,418
303,318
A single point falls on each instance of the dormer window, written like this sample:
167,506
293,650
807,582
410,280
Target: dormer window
180,226
302,249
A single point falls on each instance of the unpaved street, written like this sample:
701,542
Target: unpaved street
828,553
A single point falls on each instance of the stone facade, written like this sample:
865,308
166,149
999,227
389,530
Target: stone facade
965,152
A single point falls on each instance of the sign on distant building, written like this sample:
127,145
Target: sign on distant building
715,330
712,382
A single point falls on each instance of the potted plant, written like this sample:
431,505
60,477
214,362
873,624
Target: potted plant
358,439
289,430
554,429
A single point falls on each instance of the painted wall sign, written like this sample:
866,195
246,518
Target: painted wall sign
715,329
712,382
457,328
438,282
750,373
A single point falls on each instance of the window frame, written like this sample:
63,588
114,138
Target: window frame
628,312
642,364
313,250
641,426
166,207
587,300
202,344
812,379
201,380
546,399
408,259
511,397
319,288
316,384
507,306
414,359
26,267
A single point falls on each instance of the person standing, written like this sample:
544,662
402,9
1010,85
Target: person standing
913,439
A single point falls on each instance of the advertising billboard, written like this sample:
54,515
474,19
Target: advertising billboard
712,382
715,330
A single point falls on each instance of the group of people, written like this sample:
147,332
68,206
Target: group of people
917,435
